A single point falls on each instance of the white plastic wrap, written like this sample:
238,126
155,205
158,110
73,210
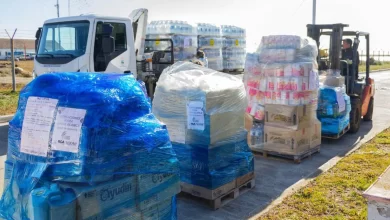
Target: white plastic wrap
221,96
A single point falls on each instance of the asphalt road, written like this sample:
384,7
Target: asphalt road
274,176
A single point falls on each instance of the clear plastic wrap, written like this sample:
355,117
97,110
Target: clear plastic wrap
233,64
282,41
283,50
179,41
210,42
208,29
234,53
234,42
232,31
81,131
215,64
212,53
183,35
171,27
282,81
203,110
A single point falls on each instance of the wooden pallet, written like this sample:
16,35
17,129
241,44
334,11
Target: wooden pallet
221,196
337,136
297,158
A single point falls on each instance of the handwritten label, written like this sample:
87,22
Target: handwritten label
38,118
195,115
67,129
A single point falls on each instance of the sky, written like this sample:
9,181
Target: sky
258,17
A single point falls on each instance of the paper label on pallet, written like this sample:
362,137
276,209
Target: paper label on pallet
38,118
67,129
195,115
340,101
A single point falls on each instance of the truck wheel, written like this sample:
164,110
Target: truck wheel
370,110
356,115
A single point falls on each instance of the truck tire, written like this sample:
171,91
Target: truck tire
370,110
355,116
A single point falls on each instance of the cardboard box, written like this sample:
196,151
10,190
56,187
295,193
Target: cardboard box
287,141
293,117
248,121
94,201
315,137
132,194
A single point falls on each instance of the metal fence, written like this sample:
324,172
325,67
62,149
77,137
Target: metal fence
380,55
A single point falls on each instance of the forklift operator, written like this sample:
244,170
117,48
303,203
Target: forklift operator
347,54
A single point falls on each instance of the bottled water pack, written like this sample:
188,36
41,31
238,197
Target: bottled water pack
233,31
171,27
204,29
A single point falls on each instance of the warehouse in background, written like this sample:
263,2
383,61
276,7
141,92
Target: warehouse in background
21,47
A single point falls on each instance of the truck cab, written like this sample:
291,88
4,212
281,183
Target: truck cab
86,43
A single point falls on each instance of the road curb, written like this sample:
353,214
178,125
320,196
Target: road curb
311,177
6,118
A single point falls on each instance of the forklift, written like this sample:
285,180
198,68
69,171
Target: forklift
360,89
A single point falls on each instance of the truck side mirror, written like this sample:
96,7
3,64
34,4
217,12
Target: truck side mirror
37,38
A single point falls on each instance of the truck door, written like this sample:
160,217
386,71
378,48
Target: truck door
119,58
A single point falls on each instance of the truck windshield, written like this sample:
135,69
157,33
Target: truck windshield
64,39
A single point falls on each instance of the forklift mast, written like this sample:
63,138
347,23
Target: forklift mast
315,32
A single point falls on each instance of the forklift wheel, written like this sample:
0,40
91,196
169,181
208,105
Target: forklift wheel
370,110
356,115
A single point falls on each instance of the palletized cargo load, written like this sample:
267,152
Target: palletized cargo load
85,145
282,83
234,48
203,111
334,106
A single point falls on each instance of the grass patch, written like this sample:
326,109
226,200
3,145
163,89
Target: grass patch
9,99
385,65
337,194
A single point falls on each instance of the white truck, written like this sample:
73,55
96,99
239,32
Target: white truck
93,43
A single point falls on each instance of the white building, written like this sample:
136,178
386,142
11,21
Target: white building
21,46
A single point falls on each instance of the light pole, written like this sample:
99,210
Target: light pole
314,11
58,9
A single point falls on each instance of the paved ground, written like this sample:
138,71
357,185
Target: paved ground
274,176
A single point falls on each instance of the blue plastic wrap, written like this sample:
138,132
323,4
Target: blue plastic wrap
212,168
334,107
330,100
333,126
84,129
